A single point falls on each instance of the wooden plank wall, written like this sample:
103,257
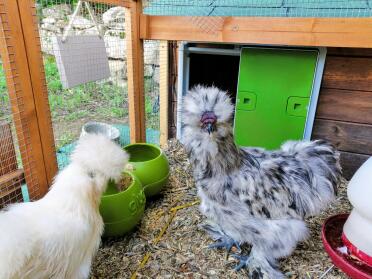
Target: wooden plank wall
344,114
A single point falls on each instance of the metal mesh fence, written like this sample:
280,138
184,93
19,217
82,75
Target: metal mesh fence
14,127
258,8
104,100
11,172
151,89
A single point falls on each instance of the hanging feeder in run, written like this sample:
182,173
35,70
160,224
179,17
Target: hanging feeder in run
81,58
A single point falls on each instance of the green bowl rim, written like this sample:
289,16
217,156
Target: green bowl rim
134,179
160,180
147,144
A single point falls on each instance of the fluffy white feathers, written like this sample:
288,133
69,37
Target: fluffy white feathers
58,235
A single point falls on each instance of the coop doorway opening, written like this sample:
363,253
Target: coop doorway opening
275,87
209,65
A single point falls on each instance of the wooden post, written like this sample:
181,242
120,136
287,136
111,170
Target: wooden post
164,92
329,32
35,60
136,98
15,61
173,77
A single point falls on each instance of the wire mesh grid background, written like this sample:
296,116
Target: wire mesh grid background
14,128
104,100
11,172
269,8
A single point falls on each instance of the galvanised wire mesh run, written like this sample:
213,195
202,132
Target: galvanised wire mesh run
151,54
11,173
260,8
14,127
99,100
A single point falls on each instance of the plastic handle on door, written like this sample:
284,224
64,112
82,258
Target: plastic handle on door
297,106
246,101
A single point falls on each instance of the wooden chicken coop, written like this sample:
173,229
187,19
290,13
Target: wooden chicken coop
32,105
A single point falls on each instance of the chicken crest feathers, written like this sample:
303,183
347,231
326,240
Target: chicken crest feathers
201,99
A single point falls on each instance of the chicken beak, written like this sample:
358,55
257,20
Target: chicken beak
210,128
208,121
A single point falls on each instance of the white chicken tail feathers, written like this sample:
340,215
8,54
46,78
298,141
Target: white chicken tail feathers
323,162
98,154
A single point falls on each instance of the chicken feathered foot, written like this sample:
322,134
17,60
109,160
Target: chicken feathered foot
225,242
243,261
258,267
222,240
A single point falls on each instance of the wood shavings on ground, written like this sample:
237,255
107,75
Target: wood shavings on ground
181,252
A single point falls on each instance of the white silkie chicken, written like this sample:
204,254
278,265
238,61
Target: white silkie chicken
251,195
58,235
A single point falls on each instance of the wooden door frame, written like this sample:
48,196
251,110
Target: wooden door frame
30,107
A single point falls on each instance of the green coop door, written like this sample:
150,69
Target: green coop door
273,96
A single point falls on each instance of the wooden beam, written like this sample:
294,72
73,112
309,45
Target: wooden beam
348,52
12,179
35,61
136,98
173,78
164,92
345,105
352,73
14,56
346,136
10,187
331,32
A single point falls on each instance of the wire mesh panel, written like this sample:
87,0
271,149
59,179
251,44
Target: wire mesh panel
17,163
151,89
258,8
104,100
11,172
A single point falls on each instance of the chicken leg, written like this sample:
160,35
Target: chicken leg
221,238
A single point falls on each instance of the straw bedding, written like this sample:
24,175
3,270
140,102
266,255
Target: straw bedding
169,238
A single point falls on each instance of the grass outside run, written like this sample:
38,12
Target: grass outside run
71,108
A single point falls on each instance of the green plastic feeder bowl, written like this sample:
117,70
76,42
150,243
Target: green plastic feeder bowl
150,165
121,211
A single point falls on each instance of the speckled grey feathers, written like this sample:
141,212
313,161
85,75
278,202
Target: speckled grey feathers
253,195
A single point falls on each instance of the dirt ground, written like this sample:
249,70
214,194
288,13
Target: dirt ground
181,252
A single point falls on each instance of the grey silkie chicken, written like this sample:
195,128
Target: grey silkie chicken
251,195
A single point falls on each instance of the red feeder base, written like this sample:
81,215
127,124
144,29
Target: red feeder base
331,236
